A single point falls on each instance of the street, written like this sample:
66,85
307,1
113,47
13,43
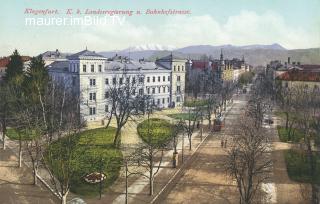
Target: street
204,179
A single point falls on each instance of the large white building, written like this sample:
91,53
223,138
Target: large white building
91,75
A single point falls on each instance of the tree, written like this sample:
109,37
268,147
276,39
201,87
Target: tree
14,68
126,99
145,154
246,78
246,161
193,116
65,121
210,107
12,84
5,115
307,110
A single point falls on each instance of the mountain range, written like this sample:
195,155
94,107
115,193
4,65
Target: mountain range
254,54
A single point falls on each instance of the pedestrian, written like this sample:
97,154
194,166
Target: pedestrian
221,143
198,125
225,143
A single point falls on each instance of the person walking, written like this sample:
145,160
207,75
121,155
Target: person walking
225,143
221,143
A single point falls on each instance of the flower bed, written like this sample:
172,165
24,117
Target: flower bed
94,177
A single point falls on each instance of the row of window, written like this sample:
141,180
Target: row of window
92,82
92,110
159,79
121,80
175,68
316,87
93,95
92,68
153,90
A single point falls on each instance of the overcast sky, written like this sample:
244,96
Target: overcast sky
291,23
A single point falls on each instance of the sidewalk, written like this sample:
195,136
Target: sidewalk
16,183
288,191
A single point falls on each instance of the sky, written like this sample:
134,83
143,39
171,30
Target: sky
294,24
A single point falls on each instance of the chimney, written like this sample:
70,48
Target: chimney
288,60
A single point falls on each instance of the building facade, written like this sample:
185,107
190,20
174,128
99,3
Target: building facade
92,75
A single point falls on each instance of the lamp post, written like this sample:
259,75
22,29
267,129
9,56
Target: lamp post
100,184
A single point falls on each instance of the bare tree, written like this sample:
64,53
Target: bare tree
193,116
148,155
66,121
307,109
246,161
126,99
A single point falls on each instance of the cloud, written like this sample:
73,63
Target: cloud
247,27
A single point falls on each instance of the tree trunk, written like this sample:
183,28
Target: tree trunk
35,179
20,153
287,120
4,139
64,198
151,185
151,178
116,141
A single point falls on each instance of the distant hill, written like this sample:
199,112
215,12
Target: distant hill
253,54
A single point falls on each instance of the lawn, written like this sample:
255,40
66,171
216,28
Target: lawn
160,131
298,168
183,116
195,103
88,148
13,134
283,135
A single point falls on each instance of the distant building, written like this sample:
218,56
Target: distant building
295,78
91,75
223,70
52,56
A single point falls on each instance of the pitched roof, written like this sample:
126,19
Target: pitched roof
85,53
170,57
300,75
60,66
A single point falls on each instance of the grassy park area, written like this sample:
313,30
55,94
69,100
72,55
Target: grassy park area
13,134
183,116
195,103
88,149
298,167
296,135
160,131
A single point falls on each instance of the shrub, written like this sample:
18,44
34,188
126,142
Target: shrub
161,131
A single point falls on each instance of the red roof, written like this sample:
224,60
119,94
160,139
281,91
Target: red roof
4,61
200,64
300,75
